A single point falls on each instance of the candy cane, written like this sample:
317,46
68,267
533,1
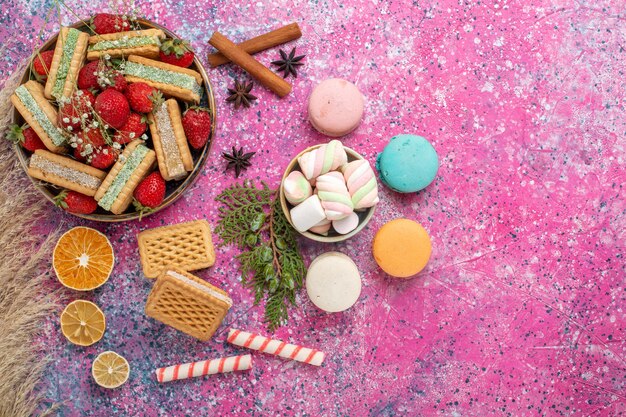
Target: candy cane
208,367
275,347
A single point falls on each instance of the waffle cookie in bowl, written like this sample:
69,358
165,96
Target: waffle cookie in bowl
116,192
30,102
68,59
65,172
174,81
170,143
137,42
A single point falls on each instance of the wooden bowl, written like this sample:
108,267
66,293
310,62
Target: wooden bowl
364,216
174,189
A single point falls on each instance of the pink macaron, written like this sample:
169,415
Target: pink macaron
336,107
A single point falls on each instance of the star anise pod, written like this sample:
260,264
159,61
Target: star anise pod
241,94
289,63
238,160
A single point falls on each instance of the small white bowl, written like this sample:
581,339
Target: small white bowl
364,215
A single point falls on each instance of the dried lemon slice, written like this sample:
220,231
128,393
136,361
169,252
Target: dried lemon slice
83,323
110,370
83,259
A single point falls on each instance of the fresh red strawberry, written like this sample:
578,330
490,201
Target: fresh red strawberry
133,129
142,97
92,137
149,193
78,156
88,76
103,157
112,107
90,141
90,96
98,75
176,52
70,115
197,126
42,63
117,80
76,202
25,136
104,23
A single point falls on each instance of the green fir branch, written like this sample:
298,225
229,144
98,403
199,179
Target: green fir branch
270,262
241,206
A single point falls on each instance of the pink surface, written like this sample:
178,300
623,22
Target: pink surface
521,308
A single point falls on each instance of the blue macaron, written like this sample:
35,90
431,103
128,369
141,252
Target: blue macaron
408,163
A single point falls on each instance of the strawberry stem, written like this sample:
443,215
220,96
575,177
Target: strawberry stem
141,208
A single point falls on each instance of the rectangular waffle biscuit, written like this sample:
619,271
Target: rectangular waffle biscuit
187,303
65,172
182,83
187,246
68,59
144,43
30,102
116,192
170,142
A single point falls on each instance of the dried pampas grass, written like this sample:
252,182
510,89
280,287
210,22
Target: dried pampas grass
24,267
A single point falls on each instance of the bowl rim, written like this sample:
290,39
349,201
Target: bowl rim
23,157
285,205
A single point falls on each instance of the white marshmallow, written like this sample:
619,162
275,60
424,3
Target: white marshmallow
307,214
347,224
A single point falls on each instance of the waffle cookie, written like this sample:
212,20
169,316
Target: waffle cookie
65,172
170,142
69,55
182,83
30,102
144,43
187,303
116,191
184,245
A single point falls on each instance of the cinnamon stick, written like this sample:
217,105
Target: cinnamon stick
254,67
260,43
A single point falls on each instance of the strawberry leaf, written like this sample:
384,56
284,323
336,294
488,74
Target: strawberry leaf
157,100
16,133
59,200
177,47
198,108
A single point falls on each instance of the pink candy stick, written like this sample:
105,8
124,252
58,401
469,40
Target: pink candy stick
275,347
208,367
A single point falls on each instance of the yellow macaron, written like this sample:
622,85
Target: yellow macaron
402,248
